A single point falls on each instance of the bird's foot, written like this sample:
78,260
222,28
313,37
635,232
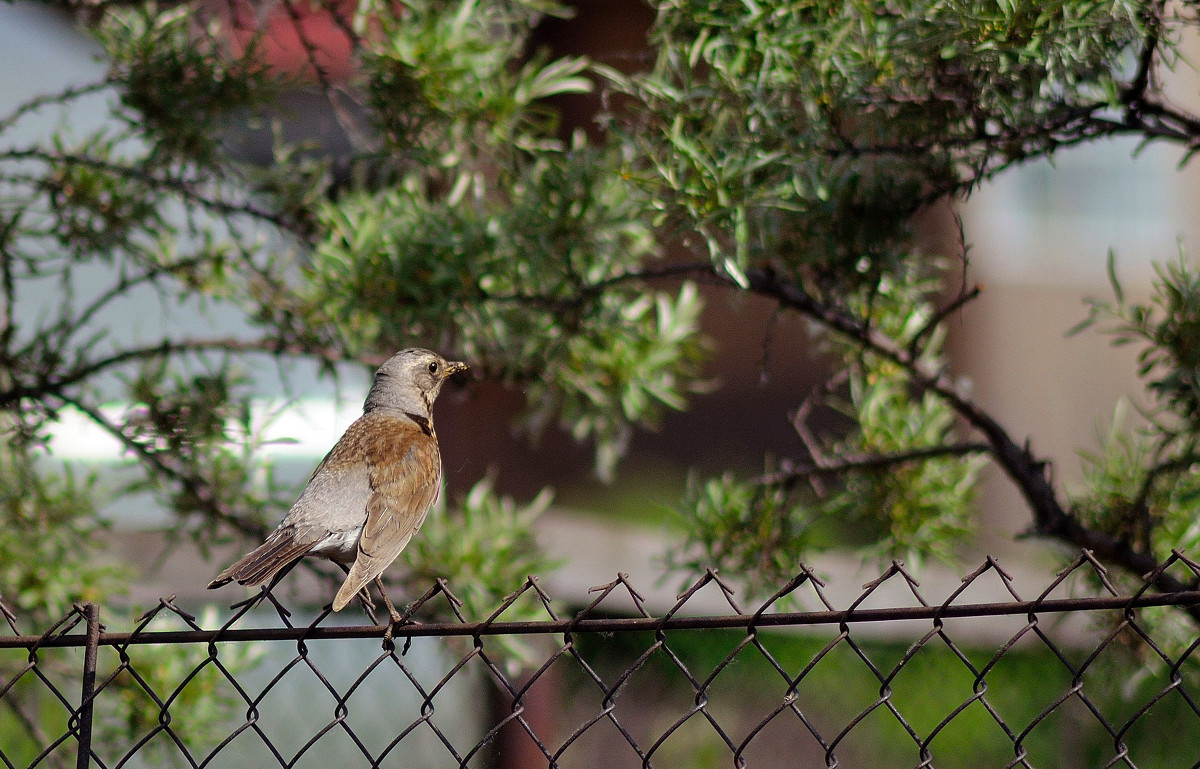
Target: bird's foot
396,619
397,622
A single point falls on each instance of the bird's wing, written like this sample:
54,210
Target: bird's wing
335,500
404,477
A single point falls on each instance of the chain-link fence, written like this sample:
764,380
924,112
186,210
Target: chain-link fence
1083,674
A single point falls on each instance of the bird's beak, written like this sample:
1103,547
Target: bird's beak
453,367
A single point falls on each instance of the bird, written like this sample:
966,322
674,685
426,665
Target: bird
370,493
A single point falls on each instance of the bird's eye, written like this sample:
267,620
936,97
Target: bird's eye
433,367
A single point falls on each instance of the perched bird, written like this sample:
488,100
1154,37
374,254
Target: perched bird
372,491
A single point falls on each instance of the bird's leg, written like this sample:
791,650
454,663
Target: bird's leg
395,616
364,599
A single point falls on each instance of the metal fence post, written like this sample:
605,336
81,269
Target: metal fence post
91,613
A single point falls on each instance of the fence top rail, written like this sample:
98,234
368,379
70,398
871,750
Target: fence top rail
786,698
584,624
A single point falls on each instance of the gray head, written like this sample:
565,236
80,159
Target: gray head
410,380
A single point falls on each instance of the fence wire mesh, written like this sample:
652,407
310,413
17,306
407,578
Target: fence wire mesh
611,684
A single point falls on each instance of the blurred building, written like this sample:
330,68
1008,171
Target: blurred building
1040,238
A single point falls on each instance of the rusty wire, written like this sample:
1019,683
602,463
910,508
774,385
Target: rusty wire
115,706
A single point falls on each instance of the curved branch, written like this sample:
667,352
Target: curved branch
58,385
1028,472
794,471
1139,510
199,488
60,98
181,187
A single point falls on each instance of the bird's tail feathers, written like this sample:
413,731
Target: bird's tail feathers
260,564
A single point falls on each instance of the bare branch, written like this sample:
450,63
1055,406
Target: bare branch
198,487
1147,58
59,384
1027,471
792,472
60,98
182,187
8,284
591,290
800,423
914,345
1140,511
119,288
311,50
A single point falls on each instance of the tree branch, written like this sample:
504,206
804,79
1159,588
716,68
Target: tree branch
1140,514
1136,89
914,345
800,423
182,187
57,386
1026,471
795,471
125,283
60,98
199,488
591,290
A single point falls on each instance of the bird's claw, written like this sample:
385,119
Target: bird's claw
399,621
395,621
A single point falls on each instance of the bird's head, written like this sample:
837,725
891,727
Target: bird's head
410,381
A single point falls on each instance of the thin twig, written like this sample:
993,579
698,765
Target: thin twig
9,285
119,289
589,291
182,187
61,97
914,345
800,423
1140,507
200,489
58,385
795,471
